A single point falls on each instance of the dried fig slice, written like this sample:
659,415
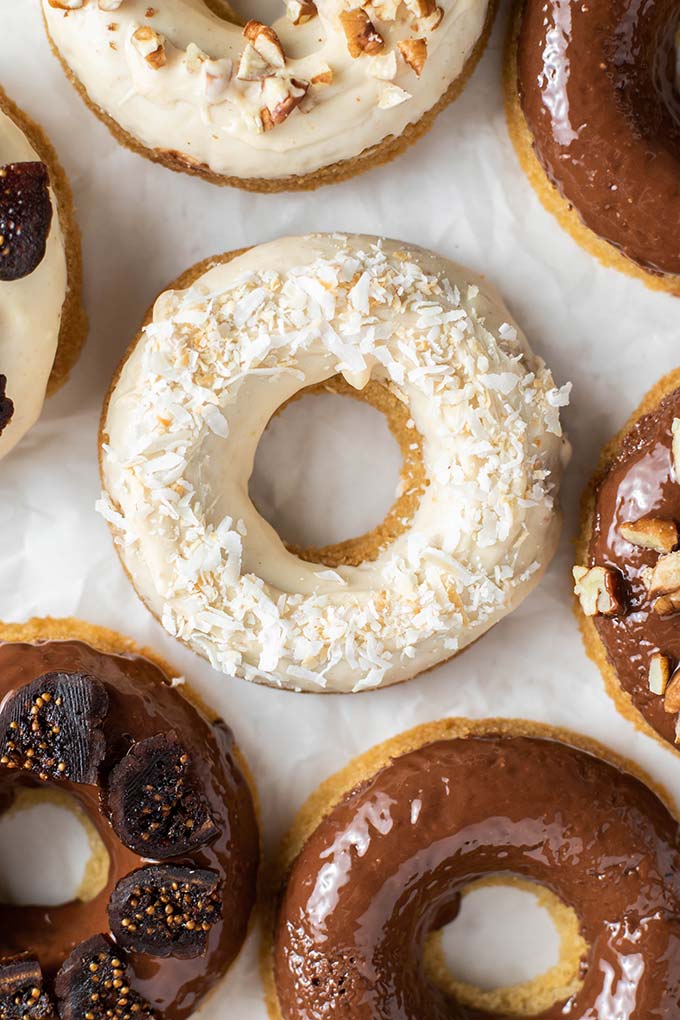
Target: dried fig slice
157,806
21,991
92,985
25,218
165,910
6,410
51,727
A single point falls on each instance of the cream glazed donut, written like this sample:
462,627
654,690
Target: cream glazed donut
195,392
332,88
42,323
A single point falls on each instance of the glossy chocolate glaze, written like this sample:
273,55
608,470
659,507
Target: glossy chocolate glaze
639,482
142,704
387,864
597,86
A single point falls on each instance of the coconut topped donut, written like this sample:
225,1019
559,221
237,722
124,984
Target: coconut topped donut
196,392
40,315
268,106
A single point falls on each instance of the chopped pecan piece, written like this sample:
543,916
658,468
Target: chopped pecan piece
651,533
671,701
414,52
664,576
675,448
659,673
266,42
360,32
598,590
151,45
301,11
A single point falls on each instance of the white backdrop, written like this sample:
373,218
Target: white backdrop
460,191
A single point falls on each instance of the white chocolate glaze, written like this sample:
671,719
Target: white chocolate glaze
196,393
30,310
212,116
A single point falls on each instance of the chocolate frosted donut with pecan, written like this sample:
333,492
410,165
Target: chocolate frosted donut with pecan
160,782
598,87
442,807
628,576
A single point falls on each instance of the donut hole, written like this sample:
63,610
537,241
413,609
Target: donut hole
356,477
514,948
50,851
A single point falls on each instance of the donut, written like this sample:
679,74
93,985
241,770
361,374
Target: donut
625,577
593,103
391,320
85,713
42,322
378,859
329,90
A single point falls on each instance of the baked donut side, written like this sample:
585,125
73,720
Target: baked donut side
565,206
630,638
161,781
268,170
73,325
268,565
378,856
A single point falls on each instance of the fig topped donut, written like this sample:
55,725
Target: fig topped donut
195,392
85,717
594,111
379,857
42,323
329,90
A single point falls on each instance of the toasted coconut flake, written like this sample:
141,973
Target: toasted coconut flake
66,5
414,53
360,32
109,5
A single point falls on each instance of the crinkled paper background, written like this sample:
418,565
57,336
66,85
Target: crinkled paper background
460,191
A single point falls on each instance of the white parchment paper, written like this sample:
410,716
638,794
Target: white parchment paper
460,191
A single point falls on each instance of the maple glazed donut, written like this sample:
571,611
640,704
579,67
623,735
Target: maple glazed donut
628,573
328,91
594,112
379,857
215,361
87,716
42,323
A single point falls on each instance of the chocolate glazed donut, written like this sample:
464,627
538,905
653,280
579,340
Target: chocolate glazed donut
160,782
638,484
387,864
597,85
